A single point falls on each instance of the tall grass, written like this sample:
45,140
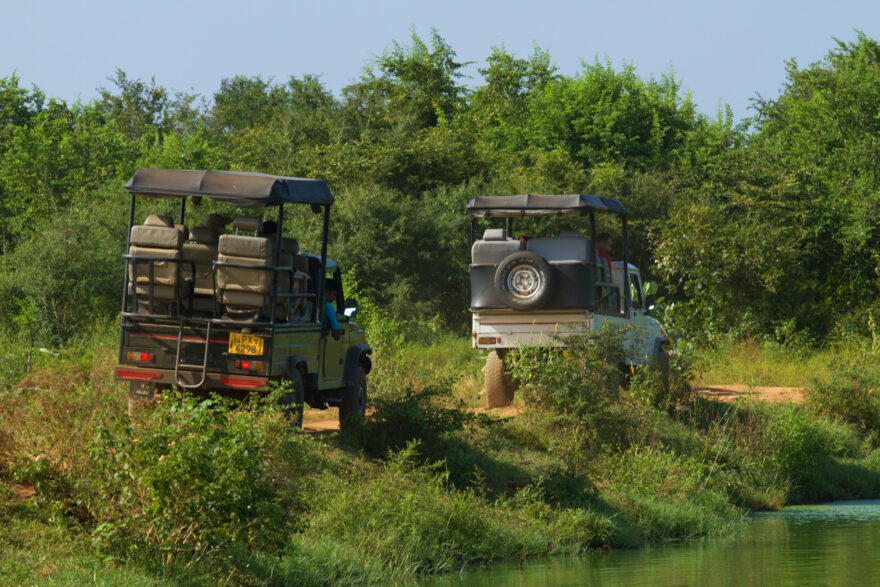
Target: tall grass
755,363
204,492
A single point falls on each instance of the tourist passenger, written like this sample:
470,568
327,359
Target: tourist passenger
218,222
330,323
603,245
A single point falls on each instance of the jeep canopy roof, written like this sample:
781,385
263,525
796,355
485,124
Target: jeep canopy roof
234,187
543,205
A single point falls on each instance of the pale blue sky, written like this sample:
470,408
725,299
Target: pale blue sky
723,52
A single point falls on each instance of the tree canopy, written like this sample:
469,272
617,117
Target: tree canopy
767,228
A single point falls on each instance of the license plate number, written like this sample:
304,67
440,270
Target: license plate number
245,344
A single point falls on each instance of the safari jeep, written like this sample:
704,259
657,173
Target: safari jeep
231,311
537,291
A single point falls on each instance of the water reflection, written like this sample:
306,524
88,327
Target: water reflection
830,544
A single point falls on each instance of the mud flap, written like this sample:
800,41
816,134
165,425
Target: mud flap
143,390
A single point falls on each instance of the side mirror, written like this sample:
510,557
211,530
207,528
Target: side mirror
351,308
650,301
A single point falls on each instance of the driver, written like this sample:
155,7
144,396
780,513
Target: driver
330,323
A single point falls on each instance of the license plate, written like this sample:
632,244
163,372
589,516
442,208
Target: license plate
245,344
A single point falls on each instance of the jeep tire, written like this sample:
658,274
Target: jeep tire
293,401
500,386
353,410
524,281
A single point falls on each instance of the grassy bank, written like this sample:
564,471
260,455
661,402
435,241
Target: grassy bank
201,493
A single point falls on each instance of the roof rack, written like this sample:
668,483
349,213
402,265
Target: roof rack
234,187
543,205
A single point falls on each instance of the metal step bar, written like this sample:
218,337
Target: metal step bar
203,366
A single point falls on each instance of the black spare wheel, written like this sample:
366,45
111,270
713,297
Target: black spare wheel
524,280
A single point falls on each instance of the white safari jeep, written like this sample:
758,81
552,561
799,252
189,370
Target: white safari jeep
536,291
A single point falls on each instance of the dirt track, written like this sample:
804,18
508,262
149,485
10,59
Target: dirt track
724,393
730,393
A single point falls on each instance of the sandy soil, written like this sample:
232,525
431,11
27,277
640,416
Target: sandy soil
317,422
730,393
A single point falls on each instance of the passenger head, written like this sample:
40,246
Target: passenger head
217,221
603,242
270,228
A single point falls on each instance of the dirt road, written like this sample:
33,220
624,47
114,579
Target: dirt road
317,422
730,393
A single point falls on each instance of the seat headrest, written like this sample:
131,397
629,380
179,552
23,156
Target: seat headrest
157,237
158,220
570,234
204,235
247,223
494,234
245,246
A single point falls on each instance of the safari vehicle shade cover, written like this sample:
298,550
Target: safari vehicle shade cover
235,187
543,205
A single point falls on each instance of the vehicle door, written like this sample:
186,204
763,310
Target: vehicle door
333,351
645,328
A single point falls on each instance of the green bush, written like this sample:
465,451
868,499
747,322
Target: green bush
664,384
852,393
196,475
577,381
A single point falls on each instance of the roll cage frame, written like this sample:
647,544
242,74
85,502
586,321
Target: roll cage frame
241,189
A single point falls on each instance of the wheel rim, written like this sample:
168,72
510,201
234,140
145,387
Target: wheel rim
524,281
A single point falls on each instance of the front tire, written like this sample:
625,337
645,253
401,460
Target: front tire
353,410
500,386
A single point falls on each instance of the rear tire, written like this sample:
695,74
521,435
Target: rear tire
353,410
294,399
500,386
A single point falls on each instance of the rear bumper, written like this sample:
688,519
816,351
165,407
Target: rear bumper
213,381
511,330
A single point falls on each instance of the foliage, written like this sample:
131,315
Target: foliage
664,384
580,381
851,392
196,475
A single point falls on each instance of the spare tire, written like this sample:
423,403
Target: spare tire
524,281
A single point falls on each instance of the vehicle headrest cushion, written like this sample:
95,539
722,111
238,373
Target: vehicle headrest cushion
244,246
158,220
157,237
204,235
494,234
247,223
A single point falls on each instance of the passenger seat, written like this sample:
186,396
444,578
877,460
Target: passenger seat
244,292
157,237
202,251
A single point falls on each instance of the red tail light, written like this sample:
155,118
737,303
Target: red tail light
138,356
249,365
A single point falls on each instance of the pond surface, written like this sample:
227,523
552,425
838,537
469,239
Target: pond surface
831,544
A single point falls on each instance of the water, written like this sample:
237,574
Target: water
830,544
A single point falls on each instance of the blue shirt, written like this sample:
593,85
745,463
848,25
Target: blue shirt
330,323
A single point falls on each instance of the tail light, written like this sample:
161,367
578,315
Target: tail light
489,340
140,357
249,365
